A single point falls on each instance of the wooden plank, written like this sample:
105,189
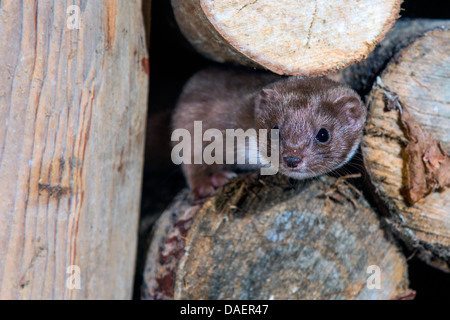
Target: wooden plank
72,110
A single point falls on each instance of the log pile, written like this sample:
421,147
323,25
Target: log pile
262,238
73,98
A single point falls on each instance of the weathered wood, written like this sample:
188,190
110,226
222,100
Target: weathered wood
419,75
361,76
286,37
72,110
259,238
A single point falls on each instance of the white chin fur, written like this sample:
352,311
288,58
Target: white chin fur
299,175
350,154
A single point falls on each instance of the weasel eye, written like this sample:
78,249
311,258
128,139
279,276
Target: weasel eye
323,136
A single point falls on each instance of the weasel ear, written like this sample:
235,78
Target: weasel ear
264,99
353,109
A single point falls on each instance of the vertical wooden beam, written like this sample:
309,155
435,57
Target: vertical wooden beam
72,122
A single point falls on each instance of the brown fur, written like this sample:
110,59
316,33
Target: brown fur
300,106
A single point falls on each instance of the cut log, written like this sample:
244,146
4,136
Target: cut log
406,142
361,76
73,101
289,37
261,238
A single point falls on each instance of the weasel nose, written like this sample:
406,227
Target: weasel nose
292,162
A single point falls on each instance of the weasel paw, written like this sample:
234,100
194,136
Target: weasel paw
221,178
207,186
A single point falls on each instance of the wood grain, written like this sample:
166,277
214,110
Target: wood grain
260,238
72,112
420,76
289,37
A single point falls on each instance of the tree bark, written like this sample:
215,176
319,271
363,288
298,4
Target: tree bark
286,37
261,238
72,108
406,143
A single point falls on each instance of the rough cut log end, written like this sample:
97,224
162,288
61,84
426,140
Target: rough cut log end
286,37
361,76
259,238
